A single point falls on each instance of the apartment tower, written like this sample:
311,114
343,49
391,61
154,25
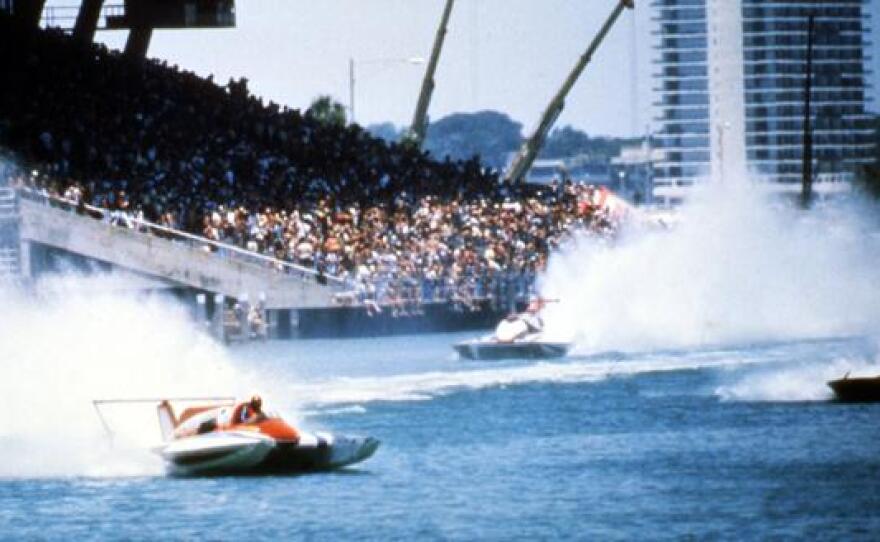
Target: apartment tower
730,91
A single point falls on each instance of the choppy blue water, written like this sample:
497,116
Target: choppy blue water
731,443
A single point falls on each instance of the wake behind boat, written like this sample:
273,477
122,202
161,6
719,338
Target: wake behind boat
239,438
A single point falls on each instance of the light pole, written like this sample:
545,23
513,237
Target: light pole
352,79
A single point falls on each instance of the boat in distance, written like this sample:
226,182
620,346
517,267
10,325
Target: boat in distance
857,389
528,347
240,438
518,336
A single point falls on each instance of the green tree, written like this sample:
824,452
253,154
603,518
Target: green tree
488,134
567,142
327,111
387,131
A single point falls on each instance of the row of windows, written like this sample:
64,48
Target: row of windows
687,14
688,156
820,27
800,40
795,124
770,82
800,54
677,3
817,96
825,114
696,113
686,71
690,128
685,28
818,109
683,56
678,142
690,98
680,171
759,9
681,175
821,69
840,139
695,84
793,172
796,155
683,43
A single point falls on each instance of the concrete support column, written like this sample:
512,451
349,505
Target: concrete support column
269,322
244,309
87,20
25,262
219,316
201,310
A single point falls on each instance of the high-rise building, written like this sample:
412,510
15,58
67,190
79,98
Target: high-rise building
730,91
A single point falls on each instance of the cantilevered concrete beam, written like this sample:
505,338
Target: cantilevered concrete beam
87,20
138,41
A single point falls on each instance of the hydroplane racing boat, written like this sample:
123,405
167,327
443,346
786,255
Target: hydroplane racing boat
531,346
516,337
238,439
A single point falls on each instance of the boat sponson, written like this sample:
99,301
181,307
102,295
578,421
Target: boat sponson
328,452
217,453
312,452
484,350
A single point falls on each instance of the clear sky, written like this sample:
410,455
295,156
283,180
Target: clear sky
507,55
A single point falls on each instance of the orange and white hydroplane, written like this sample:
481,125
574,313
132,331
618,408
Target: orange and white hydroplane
228,437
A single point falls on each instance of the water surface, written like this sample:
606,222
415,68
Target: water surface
729,442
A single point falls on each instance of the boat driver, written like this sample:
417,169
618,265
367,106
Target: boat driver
532,317
252,411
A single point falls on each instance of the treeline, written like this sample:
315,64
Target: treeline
493,136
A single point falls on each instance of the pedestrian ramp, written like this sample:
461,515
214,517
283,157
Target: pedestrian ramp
172,256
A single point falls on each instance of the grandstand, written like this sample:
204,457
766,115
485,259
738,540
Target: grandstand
141,136
208,190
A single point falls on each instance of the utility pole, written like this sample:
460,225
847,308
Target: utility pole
530,148
351,88
807,181
420,117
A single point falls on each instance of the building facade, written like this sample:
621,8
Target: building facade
730,91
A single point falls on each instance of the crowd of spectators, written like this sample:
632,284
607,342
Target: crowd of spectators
145,139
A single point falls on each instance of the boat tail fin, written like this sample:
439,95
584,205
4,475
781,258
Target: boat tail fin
167,420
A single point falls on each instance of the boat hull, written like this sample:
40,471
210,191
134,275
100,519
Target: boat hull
856,390
216,452
237,453
493,350
319,452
